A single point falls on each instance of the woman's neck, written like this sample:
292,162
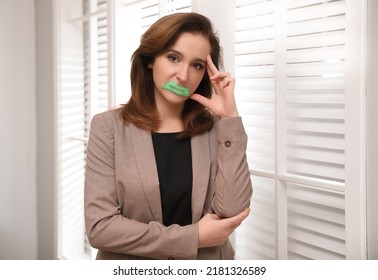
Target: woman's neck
170,117
170,125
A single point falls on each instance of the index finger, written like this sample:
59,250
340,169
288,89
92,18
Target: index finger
211,68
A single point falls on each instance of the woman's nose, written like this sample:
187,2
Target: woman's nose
183,73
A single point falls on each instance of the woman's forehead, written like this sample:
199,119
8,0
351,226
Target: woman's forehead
192,45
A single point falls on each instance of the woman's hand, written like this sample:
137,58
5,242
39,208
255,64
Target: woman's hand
214,231
222,103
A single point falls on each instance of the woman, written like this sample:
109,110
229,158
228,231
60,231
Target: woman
164,179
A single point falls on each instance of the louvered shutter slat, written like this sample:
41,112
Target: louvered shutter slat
315,69
321,9
315,125
323,156
256,71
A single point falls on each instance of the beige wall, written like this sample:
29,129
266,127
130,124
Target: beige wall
18,210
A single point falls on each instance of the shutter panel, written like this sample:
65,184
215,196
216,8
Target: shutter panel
289,66
315,127
71,149
102,55
315,72
84,92
316,224
254,70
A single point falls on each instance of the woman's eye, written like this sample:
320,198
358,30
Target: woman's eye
173,58
198,66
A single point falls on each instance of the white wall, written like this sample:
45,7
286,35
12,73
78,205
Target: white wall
223,24
372,133
18,210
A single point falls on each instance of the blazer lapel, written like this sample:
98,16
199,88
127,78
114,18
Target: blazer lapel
145,159
201,173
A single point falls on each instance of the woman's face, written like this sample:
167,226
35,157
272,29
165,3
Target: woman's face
184,63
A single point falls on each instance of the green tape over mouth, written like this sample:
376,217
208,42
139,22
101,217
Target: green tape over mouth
176,89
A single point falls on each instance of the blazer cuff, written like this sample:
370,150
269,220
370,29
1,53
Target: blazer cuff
184,243
230,130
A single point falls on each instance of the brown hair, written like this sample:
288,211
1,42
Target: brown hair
141,108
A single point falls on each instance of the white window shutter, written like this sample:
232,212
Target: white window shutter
254,70
290,68
101,46
255,95
84,92
71,123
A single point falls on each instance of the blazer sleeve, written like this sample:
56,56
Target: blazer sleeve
107,229
232,185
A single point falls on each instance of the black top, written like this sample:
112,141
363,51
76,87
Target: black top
174,165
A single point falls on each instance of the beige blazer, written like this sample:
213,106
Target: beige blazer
122,198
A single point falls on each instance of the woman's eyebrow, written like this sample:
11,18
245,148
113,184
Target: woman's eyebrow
176,52
200,60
